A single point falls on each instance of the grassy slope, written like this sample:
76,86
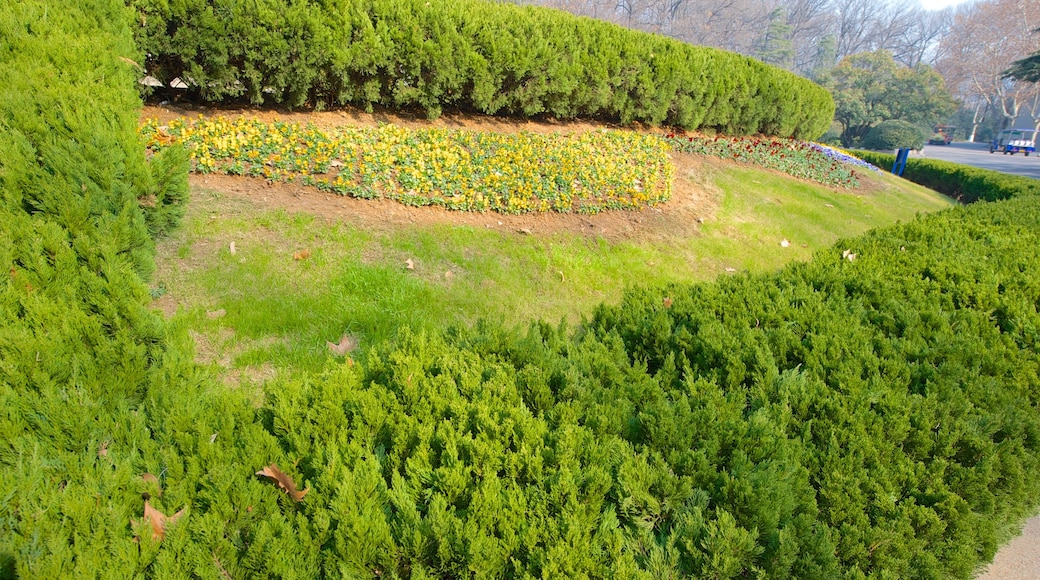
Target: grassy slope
280,312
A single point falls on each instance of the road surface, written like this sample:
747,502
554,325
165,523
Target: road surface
978,155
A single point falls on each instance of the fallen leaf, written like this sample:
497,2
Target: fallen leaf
232,248
103,449
667,302
158,521
525,231
216,313
212,438
347,343
731,269
409,264
848,255
448,275
284,481
301,255
784,243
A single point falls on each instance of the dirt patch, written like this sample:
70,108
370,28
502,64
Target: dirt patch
167,305
690,206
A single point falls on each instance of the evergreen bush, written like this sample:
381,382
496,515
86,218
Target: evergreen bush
961,182
895,134
872,413
489,57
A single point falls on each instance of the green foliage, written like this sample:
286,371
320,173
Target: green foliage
871,87
1026,69
872,413
488,57
905,376
961,182
793,157
895,134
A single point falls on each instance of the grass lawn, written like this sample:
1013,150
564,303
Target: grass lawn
297,280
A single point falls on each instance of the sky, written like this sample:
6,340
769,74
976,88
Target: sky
938,4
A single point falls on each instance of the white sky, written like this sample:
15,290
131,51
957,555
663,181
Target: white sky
938,4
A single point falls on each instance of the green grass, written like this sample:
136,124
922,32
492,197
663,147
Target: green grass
280,311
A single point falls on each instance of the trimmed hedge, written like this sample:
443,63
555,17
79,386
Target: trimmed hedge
961,182
870,414
493,58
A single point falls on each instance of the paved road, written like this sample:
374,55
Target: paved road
978,155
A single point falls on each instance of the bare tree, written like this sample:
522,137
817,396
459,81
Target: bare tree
817,33
984,40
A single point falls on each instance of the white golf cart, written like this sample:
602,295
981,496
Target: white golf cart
1014,140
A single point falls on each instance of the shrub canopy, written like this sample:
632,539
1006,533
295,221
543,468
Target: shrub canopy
489,57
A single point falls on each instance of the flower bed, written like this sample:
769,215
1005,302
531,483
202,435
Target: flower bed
796,158
456,169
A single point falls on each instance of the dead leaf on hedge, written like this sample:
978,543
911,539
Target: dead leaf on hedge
284,481
347,343
157,521
667,302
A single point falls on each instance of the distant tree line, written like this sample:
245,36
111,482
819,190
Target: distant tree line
805,36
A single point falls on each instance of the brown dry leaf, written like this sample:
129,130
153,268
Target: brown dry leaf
667,302
103,449
284,481
347,343
158,521
409,264
301,255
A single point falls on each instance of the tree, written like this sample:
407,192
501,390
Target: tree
985,39
872,87
775,47
1026,69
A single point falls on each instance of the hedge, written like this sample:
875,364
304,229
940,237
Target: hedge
494,58
961,182
872,413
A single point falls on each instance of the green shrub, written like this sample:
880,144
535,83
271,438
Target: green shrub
494,58
869,414
895,134
961,182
